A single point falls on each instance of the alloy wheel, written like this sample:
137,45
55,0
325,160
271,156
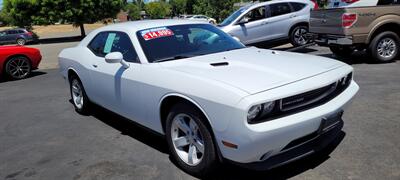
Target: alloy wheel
300,36
386,47
18,68
187,139
77,93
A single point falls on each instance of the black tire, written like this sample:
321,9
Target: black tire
209,161
298,36
375,43
18,67
342,51
21,41
85,108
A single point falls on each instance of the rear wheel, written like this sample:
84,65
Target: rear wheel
78,95
190,142
298,36
385,47
21,41
342,51
18,67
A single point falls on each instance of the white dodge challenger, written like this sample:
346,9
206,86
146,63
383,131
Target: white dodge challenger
213,98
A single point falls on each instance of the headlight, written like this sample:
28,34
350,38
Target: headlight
254,111
259,111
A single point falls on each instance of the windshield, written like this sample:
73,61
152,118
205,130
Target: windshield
184,41
233,16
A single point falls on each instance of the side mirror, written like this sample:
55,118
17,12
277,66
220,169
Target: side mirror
116,57
244,20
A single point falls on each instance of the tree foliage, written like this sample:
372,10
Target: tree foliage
178,7
133,11
24,13
218,9
158,10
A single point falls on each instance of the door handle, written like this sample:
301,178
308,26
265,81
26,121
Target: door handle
95,65
293,16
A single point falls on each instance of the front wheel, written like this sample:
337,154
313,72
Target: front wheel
298,36
190,142
385,47
78,96
18,68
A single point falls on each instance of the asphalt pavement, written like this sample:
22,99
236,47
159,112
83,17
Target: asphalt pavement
41,136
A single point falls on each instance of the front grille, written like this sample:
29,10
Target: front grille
304,101
315,97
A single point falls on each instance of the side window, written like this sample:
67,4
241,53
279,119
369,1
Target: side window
256,14
21,32
107,42
297,6
122,43
98,43
12,32
388,2
279,9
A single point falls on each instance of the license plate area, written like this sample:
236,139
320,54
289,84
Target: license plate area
329,122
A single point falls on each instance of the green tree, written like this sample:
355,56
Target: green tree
19,12
158,10
178,7
133,11
45,12
218,9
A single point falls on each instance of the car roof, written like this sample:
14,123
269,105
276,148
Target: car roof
277,1
147,24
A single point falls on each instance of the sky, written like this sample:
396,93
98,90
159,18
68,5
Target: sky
1,4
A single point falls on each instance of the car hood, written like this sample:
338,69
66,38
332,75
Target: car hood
14,47
254,70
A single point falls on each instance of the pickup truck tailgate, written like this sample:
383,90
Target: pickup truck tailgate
327,21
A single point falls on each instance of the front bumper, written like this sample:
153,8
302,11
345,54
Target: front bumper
329,40
316,142
262,142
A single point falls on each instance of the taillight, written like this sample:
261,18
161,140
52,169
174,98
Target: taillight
350,1
29,33
348,20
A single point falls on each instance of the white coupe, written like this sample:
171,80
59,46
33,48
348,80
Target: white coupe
213,98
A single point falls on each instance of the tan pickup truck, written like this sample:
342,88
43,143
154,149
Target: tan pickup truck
375,29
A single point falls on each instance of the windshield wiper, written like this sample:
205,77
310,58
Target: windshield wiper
172,58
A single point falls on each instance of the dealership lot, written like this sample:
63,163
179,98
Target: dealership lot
41,137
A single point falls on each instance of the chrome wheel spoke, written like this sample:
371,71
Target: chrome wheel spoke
199,146
192,155
181,141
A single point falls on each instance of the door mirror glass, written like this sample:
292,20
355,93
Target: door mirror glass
244,20
114,57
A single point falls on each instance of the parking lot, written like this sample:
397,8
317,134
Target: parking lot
41,136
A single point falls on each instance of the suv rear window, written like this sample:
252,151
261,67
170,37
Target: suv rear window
279,9
297,6
388,2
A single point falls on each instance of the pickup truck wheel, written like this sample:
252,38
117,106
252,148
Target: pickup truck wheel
342,51
385,47
298,36
78,96
190,142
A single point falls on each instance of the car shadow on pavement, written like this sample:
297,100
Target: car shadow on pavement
359,57
33,74
130,128
226,170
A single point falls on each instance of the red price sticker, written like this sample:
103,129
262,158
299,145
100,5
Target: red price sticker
156,33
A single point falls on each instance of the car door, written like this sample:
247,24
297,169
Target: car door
116,87
255,29
3,36
11,36
280,19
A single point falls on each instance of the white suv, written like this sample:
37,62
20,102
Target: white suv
272,20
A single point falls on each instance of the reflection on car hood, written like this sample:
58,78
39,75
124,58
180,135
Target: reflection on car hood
254,70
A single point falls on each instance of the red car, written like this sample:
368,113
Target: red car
17,62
